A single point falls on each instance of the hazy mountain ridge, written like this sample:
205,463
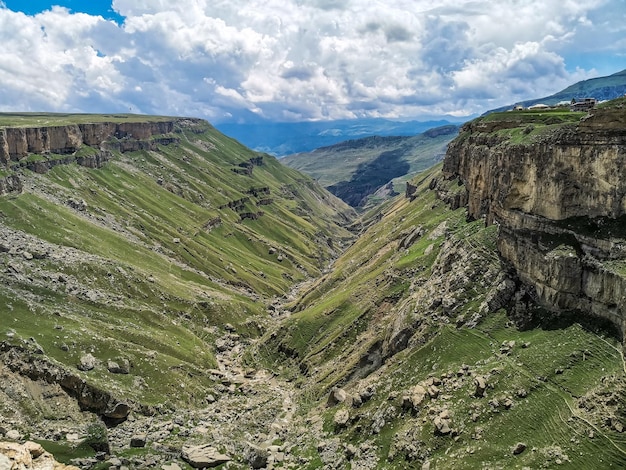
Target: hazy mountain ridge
283,139
355,170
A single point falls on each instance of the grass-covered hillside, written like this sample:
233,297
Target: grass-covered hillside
356,169
144,260
412,324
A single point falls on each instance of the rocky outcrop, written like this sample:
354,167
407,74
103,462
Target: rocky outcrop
559,197
89,397
28,456
203,456
17,143
39,149
574,171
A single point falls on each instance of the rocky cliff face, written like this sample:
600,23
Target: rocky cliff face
558,193
17,143
61,145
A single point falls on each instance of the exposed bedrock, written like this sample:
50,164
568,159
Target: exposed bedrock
560,202
18,142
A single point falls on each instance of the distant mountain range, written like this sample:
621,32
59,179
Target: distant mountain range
600,88
285,138
371,169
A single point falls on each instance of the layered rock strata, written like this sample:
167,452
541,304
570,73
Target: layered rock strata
61,145
19,142
559,197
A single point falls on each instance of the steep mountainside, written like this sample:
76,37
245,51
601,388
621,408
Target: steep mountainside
356,169
128,244
557,192
408,345
405,355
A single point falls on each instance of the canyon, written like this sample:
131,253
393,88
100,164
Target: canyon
153,316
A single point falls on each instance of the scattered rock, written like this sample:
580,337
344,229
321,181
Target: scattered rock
518,448
336,396
341,418
77,204
350,451
617,425
87,362
14,435
506,347
367,393
203,456
481,385
138,440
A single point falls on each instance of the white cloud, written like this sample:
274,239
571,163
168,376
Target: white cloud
302,59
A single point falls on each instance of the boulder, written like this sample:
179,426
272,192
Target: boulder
28,456
341,418
257,456
87,362
481,385
336,396
442,423
138,440
518,448
203,456
121,366
417,396
117,411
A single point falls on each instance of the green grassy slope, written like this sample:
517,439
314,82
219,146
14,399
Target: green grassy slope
400,309
144,260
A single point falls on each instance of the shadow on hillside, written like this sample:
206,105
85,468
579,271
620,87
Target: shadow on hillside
371,176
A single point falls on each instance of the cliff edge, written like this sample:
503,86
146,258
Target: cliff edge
84,139
555,183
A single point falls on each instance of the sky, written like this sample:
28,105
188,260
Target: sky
300,60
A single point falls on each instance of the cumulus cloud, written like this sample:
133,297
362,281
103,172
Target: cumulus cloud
302,59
